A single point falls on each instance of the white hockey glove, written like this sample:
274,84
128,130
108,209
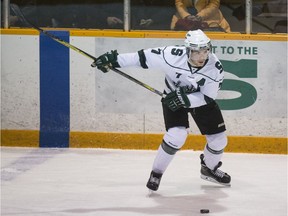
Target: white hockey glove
176,99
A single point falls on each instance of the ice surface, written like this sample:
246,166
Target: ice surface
107,182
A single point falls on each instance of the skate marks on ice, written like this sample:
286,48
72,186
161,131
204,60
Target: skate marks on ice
210,197
14,166
169,204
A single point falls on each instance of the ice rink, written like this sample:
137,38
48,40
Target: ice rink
105,182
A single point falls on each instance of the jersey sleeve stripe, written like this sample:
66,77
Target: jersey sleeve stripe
142,59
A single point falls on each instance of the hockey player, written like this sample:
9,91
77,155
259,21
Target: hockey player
193,77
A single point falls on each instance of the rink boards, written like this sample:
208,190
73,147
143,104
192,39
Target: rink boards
51,97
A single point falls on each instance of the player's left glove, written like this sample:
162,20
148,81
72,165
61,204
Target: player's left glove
176,99
107,60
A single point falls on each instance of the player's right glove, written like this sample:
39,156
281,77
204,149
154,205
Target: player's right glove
176,99
107,60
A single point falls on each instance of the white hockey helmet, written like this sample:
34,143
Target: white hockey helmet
196,40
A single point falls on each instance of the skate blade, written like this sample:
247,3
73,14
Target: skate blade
214,181
150,193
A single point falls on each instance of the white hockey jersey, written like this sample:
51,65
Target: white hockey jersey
203,83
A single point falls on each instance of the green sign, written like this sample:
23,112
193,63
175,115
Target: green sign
244,68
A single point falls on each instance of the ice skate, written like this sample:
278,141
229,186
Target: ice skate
216,175
154,181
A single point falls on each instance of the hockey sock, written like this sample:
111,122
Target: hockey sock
173,140
162,160
214,149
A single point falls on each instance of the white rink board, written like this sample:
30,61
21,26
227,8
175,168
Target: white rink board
129,107
110,102
20,82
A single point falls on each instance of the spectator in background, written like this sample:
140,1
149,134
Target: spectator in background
145,14
114,21
20,8
267,9
100,14
152,14
111,14
38,13
201,11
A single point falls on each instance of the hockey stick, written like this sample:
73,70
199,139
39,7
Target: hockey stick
64,43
